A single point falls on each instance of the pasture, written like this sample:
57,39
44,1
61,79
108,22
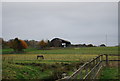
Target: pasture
40,69
111,72
81,50
55,62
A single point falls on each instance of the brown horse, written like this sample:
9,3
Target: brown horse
40,56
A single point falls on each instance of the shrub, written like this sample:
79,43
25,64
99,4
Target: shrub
18,45
43,44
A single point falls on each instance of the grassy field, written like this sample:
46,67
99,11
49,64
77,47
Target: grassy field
82,50
52,62
56,62
110,73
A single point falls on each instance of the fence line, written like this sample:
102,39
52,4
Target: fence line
90,69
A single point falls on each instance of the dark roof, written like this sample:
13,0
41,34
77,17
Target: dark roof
60,40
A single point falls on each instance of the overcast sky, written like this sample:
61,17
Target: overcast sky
81,22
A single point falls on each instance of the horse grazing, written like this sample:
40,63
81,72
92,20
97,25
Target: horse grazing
40,56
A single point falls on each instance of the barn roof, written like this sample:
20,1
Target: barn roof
60,39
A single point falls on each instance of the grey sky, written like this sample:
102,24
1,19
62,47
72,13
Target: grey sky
80,22
60,0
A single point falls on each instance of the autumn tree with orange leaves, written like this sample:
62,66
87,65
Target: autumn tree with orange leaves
18,45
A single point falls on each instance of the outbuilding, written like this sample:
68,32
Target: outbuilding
57,42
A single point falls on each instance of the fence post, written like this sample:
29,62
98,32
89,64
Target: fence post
102,60
99,58
107,60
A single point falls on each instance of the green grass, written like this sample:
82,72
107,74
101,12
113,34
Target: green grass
48,58
53,57
13,71
109,73
82,50
6,51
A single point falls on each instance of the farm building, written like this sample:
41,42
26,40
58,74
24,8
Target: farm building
57,42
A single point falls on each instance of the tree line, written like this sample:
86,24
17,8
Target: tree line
19,45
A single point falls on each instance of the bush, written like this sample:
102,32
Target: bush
18,45
43,44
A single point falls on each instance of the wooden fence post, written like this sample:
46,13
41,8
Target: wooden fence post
107,63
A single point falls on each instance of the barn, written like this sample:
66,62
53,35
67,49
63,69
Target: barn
57,42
